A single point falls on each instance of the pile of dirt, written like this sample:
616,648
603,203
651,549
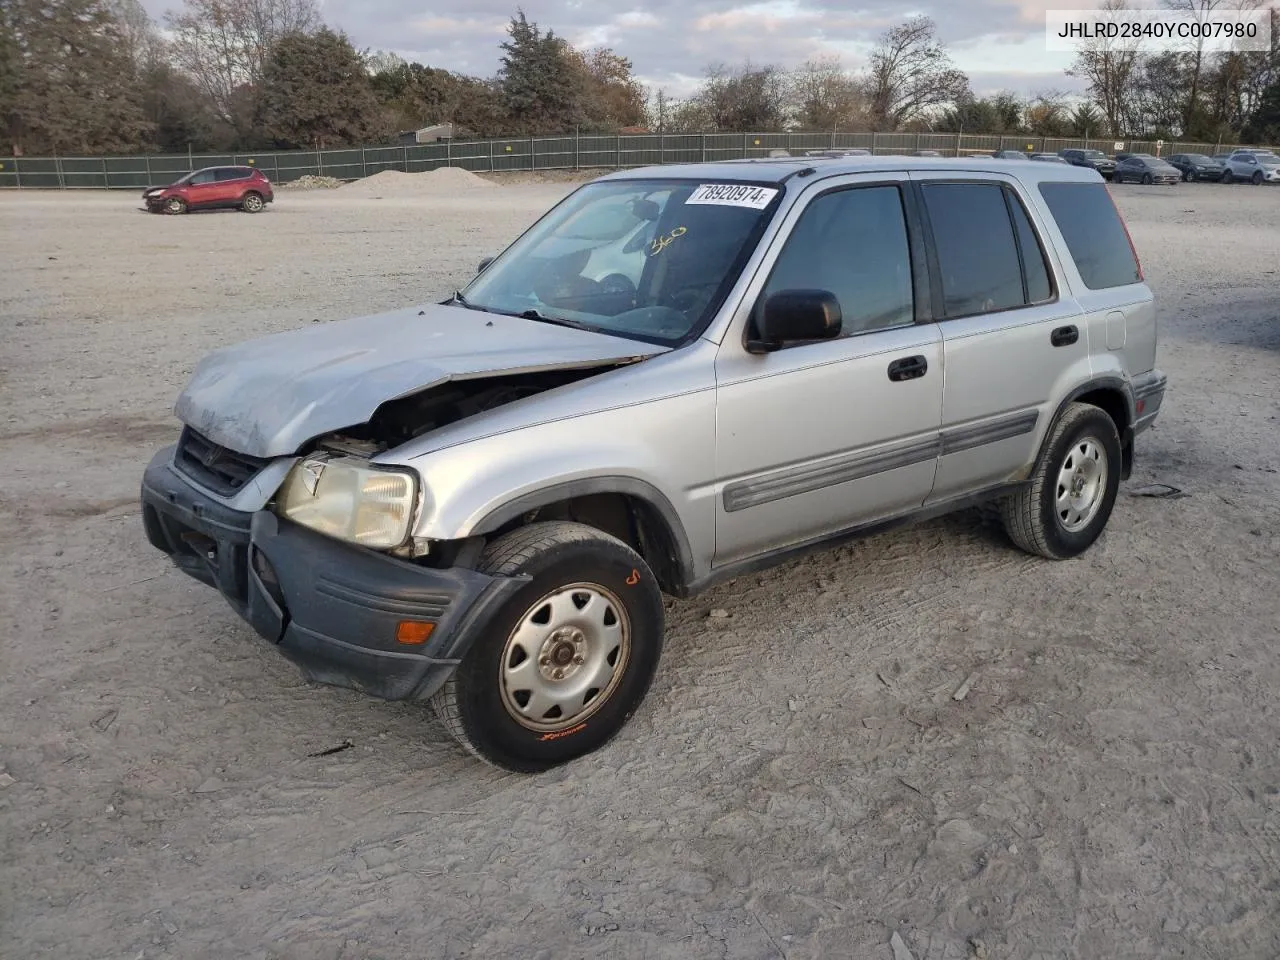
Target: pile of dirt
311,182
443,181
521,177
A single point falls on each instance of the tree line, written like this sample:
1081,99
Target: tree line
100,77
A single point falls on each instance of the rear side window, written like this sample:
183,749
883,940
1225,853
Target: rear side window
1034,269
1094,233
988,255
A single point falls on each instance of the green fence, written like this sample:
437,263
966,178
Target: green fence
532,154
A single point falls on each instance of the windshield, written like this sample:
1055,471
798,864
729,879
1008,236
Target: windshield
649,259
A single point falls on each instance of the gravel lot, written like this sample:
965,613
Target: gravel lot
800,782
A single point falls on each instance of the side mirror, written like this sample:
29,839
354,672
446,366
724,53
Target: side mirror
483,264
796,315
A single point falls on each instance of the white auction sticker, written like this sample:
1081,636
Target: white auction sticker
733,195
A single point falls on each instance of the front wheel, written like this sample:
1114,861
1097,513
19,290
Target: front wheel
562,666
175,206
1257,177
1146,180
1065,506
253,203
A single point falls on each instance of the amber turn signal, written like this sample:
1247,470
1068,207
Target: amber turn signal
412,631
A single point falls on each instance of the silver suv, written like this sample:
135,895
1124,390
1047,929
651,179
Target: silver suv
1256,166
677,375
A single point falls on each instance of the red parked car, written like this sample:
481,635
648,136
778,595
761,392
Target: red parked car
243,188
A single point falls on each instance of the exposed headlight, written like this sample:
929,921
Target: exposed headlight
350,500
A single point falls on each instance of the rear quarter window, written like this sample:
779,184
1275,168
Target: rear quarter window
1094,233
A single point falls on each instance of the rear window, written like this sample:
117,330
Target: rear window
1094,233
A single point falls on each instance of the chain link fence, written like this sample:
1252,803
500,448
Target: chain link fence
532,154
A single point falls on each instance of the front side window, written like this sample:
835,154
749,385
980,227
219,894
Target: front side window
650,259
232,173
852,243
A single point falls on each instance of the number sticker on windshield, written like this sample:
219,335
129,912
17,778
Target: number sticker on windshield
733,195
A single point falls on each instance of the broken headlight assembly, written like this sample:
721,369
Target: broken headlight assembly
346,498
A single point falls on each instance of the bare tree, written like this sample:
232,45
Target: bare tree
224,45
1195,61
826,97
139,38
1108,66
910,74
744,98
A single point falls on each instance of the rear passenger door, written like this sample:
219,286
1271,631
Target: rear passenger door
230,183
1011,339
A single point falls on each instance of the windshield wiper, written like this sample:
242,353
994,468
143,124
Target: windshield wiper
559,321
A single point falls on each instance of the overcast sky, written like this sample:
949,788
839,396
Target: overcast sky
999,43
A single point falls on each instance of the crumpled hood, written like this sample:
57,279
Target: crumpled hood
269,396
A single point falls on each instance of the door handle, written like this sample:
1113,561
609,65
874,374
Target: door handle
1064,336
908,368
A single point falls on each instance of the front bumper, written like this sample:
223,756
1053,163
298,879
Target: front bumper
330,607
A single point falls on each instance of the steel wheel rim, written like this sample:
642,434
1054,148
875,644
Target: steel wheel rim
1082,485
565,657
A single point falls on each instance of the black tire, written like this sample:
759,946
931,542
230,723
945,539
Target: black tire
1227,176
1257,177
476,704
175,206
1146,180
1031,514
252,202
1186,176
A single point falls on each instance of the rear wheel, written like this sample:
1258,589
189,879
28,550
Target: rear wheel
252,203
175,205
1227,176
1257,177
1064,508
563,665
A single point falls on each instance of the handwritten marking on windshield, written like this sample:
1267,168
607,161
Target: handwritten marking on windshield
661,243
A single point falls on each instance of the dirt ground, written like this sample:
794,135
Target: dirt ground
800,782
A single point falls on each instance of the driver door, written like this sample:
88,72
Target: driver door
819,437
202,189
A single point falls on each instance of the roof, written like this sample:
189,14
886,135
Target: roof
777,169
